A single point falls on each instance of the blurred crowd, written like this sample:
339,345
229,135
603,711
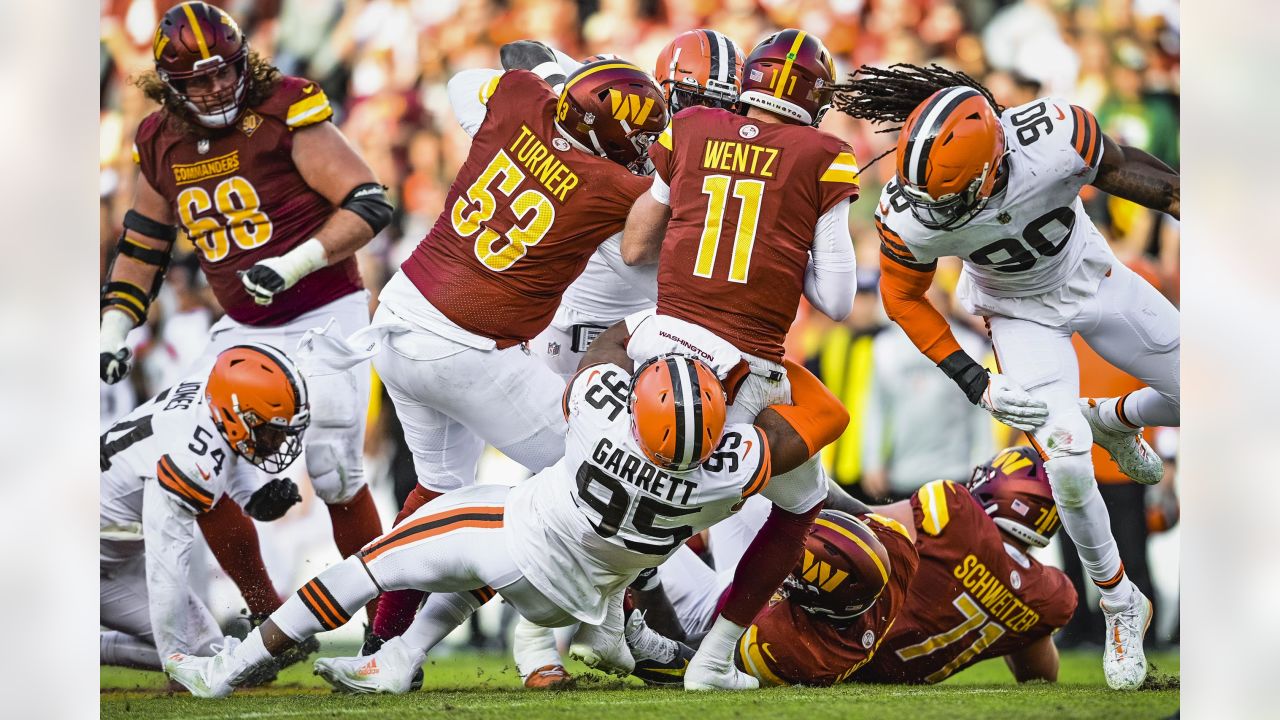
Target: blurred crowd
384,65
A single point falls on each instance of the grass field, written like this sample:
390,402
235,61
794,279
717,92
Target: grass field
486,686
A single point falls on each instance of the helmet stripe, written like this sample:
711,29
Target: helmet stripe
678,395
195,28
287,368
715,70
695,410
607,66
786,66
926,130
884,574
731,66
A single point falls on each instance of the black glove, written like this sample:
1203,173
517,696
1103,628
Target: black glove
525,55
112,367
262,283
273,500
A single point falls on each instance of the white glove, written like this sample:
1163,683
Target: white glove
277,274
113,357
1011,405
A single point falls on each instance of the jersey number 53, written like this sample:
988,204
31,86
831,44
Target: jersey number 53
477,206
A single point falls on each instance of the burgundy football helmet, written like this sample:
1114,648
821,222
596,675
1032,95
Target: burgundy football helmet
844,568
196,49
789,73
1014,490
613,109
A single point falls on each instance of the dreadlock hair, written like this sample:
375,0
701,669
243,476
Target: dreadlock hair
889,95
262,81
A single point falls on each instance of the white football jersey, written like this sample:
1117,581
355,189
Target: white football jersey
170,439
583,528
1031,236
605,297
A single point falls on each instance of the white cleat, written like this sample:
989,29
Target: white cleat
395,670
1123,660
208,677
601,650
1135,457
706,673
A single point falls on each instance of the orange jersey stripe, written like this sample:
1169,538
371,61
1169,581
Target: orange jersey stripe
761,479
175,482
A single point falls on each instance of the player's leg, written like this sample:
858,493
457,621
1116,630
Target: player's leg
124,650
1041,360
693,589
1135,328
124,608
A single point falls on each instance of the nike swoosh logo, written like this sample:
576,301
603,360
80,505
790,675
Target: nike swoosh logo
1061,115
884,210
203,474
307,90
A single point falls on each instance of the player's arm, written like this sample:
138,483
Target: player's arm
646,224
134,276
838,499
540,59
831,276
332,167
469,93
904,282
609,347
1135,175
1037,661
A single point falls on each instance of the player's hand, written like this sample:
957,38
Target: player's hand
273,500
1011,405
113,367
114,357
263,281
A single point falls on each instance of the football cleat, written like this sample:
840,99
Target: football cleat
548,677
395,669
705,673
659,660
209,677
1123,660
601,650
1135,457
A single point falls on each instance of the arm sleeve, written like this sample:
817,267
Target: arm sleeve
644,278
469,93
661,192
831,278
168,530
903,284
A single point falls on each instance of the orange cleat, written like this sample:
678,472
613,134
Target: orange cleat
548,677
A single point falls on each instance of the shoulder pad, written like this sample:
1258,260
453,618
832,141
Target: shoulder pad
600,387
297,102
933,499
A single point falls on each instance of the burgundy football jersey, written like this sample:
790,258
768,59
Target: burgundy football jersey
240,199
787,646
745,201
971,599
524,214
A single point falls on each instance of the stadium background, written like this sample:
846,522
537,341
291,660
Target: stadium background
384,64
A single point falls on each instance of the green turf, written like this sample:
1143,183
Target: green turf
486,686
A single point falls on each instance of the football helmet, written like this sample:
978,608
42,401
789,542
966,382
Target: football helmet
700,67
949,154
1014,490
259,403
677,410
613,109
844,568
789,73
197,48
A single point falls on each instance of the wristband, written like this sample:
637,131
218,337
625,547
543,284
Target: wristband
969,375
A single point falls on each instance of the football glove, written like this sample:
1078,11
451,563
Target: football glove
1011,405
272,500
114,358
263,282
277,274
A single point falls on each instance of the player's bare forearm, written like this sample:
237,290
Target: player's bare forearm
343,234
799,431
1037,661
1135,175
787,448
642,236
332,167
609,347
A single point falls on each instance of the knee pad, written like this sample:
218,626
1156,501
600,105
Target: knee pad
335,477
1071,476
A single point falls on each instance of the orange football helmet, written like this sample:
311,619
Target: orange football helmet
197,41
1014,490
949,155
677,411
613,109
844,568
259,403
700,67
790,74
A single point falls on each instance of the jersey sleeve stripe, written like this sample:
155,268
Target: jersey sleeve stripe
1086,137
907,262
173,480
665,139
760,479
309,110
487,90
933,505
843,169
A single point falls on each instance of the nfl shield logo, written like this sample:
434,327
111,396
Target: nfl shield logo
202,147
553,349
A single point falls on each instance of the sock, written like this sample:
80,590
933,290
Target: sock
439,616
355,524
1111,412
1089,525
234,542
721,641
327,601
1148,408
252,653
397,608
124,650
534,647
768,560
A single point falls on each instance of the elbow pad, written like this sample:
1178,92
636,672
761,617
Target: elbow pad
369,201
969,375
133,300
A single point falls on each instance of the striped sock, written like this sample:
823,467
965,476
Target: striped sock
1111,412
